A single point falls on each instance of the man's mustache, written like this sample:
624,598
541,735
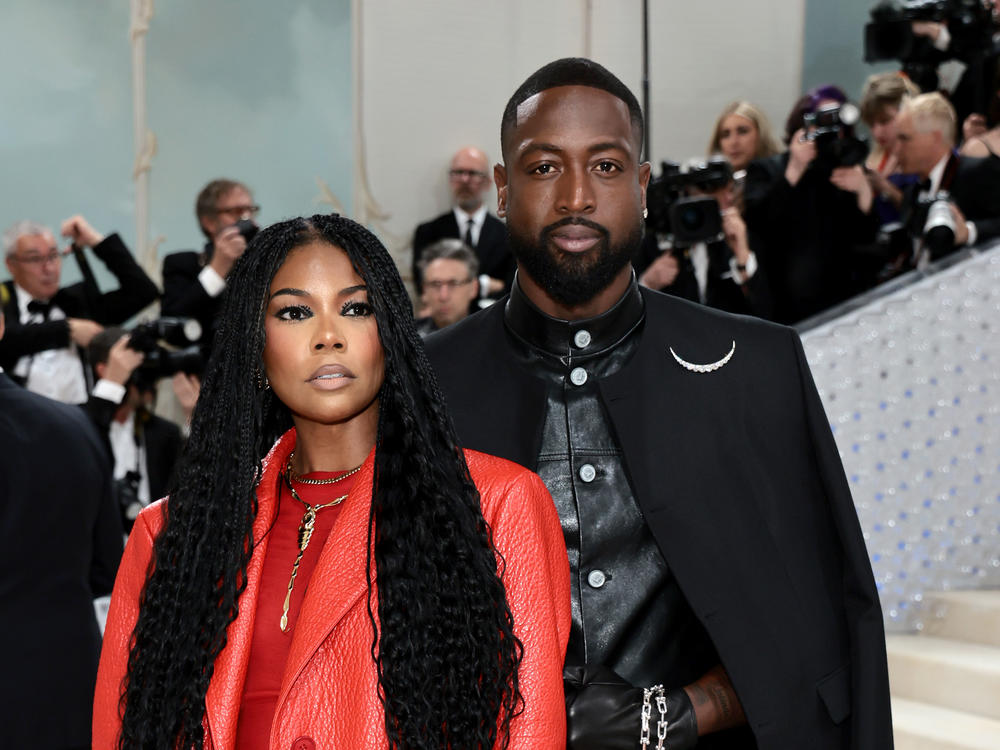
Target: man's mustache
575,221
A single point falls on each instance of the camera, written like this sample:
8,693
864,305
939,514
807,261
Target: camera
889,35
934,223
687,219
831,128
126,489
248,229
183,355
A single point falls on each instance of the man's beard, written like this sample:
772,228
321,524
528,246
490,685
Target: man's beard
572,279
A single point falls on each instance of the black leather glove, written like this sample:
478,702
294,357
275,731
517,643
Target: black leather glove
604,712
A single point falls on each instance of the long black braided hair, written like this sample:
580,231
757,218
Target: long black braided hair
444,646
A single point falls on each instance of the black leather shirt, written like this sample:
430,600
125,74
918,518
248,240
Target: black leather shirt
628,611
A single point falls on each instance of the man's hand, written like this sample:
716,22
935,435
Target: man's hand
961,228
186,388
929,29
122,361
715,703
801,153
853,180
80,232
604,712
229,245
735,230
81,331
661,273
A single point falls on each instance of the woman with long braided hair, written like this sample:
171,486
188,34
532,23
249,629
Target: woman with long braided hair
330,570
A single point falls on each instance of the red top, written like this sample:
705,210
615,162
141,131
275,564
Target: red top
269,649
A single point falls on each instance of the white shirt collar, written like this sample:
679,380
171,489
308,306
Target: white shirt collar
478,216
938,173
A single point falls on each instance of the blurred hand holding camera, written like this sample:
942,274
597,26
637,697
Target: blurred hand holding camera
661,272
801,153
122,361
80,232
735,230
853,180
229,245
82,331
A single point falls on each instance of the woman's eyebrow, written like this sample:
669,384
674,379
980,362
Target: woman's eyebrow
290,290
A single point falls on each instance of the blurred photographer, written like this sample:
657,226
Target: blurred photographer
143,446
967,188
810,209
881,98
193,281
969,31
49,325
696,244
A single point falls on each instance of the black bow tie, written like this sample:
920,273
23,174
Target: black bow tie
39,307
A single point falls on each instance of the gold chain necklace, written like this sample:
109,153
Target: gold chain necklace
306,527
331,480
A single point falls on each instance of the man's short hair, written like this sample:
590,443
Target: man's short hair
884,90
571,71
99,347
933,112
449,249
19,229
210,195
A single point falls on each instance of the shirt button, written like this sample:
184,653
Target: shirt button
578,376
304,743
582,339
588,472
596,578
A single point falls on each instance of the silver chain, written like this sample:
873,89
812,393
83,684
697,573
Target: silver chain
661,725
647,712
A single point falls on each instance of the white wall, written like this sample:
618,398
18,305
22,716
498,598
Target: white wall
435,75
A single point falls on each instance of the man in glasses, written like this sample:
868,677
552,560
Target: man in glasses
449,269
193,281
468,220
49,326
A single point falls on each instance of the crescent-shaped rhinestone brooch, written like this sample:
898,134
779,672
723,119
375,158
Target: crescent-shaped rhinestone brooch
710,367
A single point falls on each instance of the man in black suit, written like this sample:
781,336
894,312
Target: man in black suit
60,543
48,327
469,220
193,281
722,592
143,446
925,138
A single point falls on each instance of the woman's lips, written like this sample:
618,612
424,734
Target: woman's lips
330,377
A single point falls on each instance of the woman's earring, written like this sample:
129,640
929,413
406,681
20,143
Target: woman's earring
645,213
262,381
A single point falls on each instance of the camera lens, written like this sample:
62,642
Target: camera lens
692,218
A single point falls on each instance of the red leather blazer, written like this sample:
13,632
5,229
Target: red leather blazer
328,690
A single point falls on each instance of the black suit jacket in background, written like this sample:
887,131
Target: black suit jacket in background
495,258
810,238
135,291
721,290
185,297
161,438
60,543
739,479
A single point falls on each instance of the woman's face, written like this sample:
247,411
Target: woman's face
738,140
322,352
884,128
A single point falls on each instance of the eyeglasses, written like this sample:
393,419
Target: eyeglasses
449,284
40,260
251,210
467,174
